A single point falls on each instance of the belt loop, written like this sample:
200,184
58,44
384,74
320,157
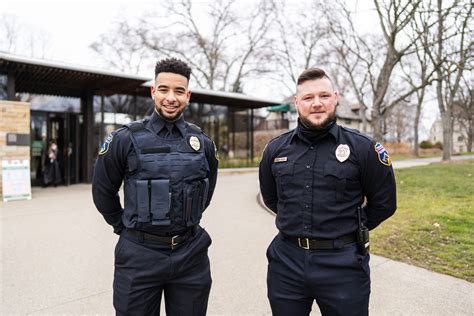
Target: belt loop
141,237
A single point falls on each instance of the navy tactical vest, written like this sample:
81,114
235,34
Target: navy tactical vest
167,185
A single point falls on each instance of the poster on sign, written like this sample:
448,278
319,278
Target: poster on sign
16,181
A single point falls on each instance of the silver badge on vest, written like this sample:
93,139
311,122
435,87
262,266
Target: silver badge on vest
342,152
195,143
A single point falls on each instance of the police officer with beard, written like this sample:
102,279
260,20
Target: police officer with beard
328,186
169,171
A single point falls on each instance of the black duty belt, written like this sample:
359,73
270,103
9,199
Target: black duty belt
321,244
172,241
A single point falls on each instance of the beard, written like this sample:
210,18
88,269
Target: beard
169,117
322,125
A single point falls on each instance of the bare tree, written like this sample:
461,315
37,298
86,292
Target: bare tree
463,112
418,72
399,124
370,61
10,33
121,50
18,37
453,53
300,36
222,54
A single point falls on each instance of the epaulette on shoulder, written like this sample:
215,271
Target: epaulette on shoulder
194,128
358,133
136,125
280,136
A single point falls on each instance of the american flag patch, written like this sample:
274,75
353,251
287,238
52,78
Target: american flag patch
382,154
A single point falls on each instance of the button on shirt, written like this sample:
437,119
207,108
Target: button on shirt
111,167
314,194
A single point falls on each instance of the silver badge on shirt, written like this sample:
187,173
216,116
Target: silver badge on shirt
342,152
195,143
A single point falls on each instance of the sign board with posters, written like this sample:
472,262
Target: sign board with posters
16,181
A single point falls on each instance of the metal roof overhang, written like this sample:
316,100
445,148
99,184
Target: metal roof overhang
62,79
213,97
54,78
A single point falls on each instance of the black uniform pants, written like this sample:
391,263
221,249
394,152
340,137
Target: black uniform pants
338,279
144,269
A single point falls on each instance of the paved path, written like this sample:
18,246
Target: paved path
57,258
425,161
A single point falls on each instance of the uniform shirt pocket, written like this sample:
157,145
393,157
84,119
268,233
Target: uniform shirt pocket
335,178
283,174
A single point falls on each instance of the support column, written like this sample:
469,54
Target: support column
87,109
251,135
101,132
11,87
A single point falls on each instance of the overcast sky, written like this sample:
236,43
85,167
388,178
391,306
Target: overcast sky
72,25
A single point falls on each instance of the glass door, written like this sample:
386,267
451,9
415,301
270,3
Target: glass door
39,128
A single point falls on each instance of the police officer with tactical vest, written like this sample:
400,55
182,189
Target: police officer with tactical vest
328,186
169,170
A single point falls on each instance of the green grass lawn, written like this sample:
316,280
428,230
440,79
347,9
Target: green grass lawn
238,163
433,226
399,157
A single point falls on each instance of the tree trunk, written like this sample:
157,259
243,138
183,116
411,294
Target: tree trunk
469,137
416,151
447,136
416,140
377,126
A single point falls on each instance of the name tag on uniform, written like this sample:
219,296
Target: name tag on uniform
281,159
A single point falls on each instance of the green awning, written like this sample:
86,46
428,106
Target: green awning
279,108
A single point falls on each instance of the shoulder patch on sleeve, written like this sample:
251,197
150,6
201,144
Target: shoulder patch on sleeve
382,154
106,145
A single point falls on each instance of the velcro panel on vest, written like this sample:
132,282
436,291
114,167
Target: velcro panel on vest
194,200
143,201
156,150
160,202
205,192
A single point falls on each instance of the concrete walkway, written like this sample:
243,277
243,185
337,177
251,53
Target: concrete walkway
57,258
425,161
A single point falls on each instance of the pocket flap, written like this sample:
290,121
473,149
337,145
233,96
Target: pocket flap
334,170
160,201
282,168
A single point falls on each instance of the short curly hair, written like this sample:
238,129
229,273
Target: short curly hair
173,65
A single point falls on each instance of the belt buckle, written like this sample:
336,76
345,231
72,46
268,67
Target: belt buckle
173,242
301,244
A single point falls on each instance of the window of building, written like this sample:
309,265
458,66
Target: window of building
3,86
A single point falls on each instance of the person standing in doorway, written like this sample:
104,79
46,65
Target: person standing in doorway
52,172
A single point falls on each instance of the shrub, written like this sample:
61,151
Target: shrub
426,144
438,145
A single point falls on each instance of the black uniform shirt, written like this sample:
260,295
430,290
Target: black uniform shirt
314,194
112,166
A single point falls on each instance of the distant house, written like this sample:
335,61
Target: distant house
459,138
348,115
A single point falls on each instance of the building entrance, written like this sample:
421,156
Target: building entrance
65,130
